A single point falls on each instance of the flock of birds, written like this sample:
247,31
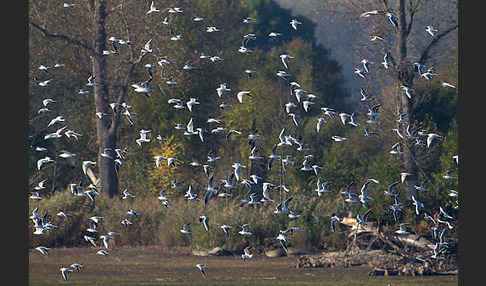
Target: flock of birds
256,196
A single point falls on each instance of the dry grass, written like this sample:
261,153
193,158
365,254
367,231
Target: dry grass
158,225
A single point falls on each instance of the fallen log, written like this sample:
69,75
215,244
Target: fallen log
415,240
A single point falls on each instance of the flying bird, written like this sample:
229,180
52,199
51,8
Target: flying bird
294,23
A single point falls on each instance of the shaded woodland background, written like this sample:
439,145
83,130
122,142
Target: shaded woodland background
324,59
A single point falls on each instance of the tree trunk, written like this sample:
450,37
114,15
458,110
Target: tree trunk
405,77
105,136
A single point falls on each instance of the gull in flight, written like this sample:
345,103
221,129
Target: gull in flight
63,214
334,219
205,221
444,213
133,212
404,175
45,83
192,101
175,10
42,249
366,64
408,91
253,154
283,74
284,140
244,230
158,160
222,89
363,220
456,159
294,118
283,209
293,215
363,197
376,37
446,84
389,192
77,267
102,252
241,94
127,195
402,230
42,110
395,149
306,104
329,111
364,97
43,161
320,122
72,133
35,196
283,239
246,253
106,239
321,187
231,132
338,138
203,269
298,93
431,30
40,185
44,68
226,229
212,29
266,193
237,167
306,164
143,88
59,118
126,222
147,47
64,272
369,13
90,239
186,229
431,137
393,19
272,157
143,137
47,101
352,121
274,35
294,23
386,63
418,205
369,133
152,9
285,58
359,72
343,117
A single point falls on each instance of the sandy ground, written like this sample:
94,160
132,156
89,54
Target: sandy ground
156,266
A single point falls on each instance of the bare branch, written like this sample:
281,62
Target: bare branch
65,38
425,53
412,10
114,9
385,5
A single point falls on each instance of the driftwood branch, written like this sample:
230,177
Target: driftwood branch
62,37
92,176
